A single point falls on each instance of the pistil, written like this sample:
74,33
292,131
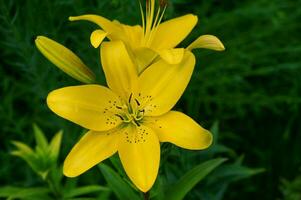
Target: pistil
130,112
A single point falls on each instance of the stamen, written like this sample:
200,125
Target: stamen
142,19
163,3
119,116
155,28
130,97
151,20
137,102
118,107
136,123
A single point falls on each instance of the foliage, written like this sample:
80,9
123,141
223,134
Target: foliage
44,163
291,190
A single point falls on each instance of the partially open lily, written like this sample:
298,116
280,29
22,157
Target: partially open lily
131,116
153,38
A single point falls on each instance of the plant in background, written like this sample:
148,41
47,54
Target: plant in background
44,157
43,160
291,190
54,187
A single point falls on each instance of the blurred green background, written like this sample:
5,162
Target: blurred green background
252,90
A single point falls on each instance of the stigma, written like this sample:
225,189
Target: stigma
131,111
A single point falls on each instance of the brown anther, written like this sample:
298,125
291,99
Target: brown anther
163,3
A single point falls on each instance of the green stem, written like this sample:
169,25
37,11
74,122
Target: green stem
146,196
53,187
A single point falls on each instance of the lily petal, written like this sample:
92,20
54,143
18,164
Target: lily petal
133,35
139,152
162,84
172,56
92,148
120,71
207,42
144,57
170,33
181,130
113,29
64,59
97,37
90,106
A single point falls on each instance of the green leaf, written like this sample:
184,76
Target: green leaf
54,146
17,192
120,188
26,153
85,190
40,137
23,148
178,190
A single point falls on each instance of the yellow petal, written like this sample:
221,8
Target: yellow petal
144,57
92,148
162,84
132,35
172,32
97,37
113,29
181,130
90,106
120,71
207,42
172,56
139,152
64,59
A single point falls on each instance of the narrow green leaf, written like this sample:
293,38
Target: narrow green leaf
178,190
40,137
17,192
119,187
25,152
79,191
54,146
85,190
24,148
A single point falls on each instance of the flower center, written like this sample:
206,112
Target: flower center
151,21
131,111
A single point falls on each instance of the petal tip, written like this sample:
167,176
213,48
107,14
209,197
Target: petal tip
193,17
69,172
208,139
39,39
97,37
71,18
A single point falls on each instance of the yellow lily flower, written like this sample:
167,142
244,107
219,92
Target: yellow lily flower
131,116
153,38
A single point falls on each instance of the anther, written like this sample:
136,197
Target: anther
130,97
136,123
163,3
137,102
119,116
118,107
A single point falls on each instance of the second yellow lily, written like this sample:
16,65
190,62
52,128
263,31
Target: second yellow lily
153,38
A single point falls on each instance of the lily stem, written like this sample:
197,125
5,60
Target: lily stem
146,196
